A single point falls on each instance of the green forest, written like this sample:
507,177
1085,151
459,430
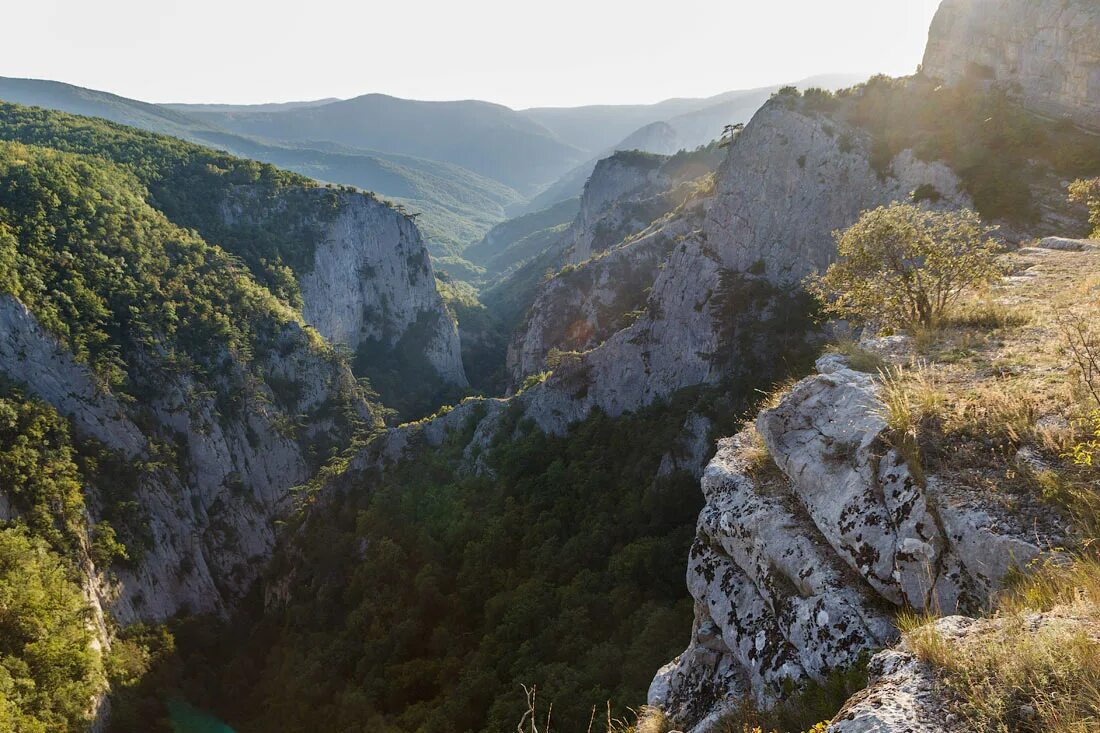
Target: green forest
49,669
423,598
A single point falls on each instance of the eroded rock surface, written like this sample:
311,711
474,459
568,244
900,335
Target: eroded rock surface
802,558
1047,52
614,201
371,278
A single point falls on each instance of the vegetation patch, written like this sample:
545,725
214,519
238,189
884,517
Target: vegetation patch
49,670
992,143
903,266
755,320
1035,665
402,615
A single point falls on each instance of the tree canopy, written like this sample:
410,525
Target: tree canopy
903,265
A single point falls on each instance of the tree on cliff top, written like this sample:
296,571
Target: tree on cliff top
901,265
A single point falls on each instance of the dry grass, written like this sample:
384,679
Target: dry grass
758,461
1014,677
647,720
1019,671
986,315
971,429
910,396
652,720
1002,409
999,375
770,400
1073,583
858,357
753,450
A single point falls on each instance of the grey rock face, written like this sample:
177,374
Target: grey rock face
616,183
798,572
580,309
1047,52
791,178
31,355
1070,245
372,279
903,698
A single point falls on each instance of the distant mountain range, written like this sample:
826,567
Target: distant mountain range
489,139
598,127
457,205
465,166
665,127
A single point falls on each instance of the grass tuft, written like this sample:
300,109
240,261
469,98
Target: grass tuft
858,357
1020,671
986,315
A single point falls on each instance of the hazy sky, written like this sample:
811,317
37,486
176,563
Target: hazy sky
517,52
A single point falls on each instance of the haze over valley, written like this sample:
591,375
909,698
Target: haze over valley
439,369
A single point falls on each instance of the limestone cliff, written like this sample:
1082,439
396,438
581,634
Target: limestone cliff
1047,52
805,552
370,278
613,202
790,179
582,306
635,207
215,457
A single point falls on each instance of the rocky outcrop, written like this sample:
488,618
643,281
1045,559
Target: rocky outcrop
904,695
791,178
370,278
804,553
635,208
1046,52
583,306
614,201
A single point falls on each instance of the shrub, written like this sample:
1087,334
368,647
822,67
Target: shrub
926,192
1087,452
1087,192
1081,340
903,266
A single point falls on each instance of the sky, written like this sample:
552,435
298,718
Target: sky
521,53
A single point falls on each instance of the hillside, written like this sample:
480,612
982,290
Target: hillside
721,315
489,139
597,128
182,381
310,245
457,205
